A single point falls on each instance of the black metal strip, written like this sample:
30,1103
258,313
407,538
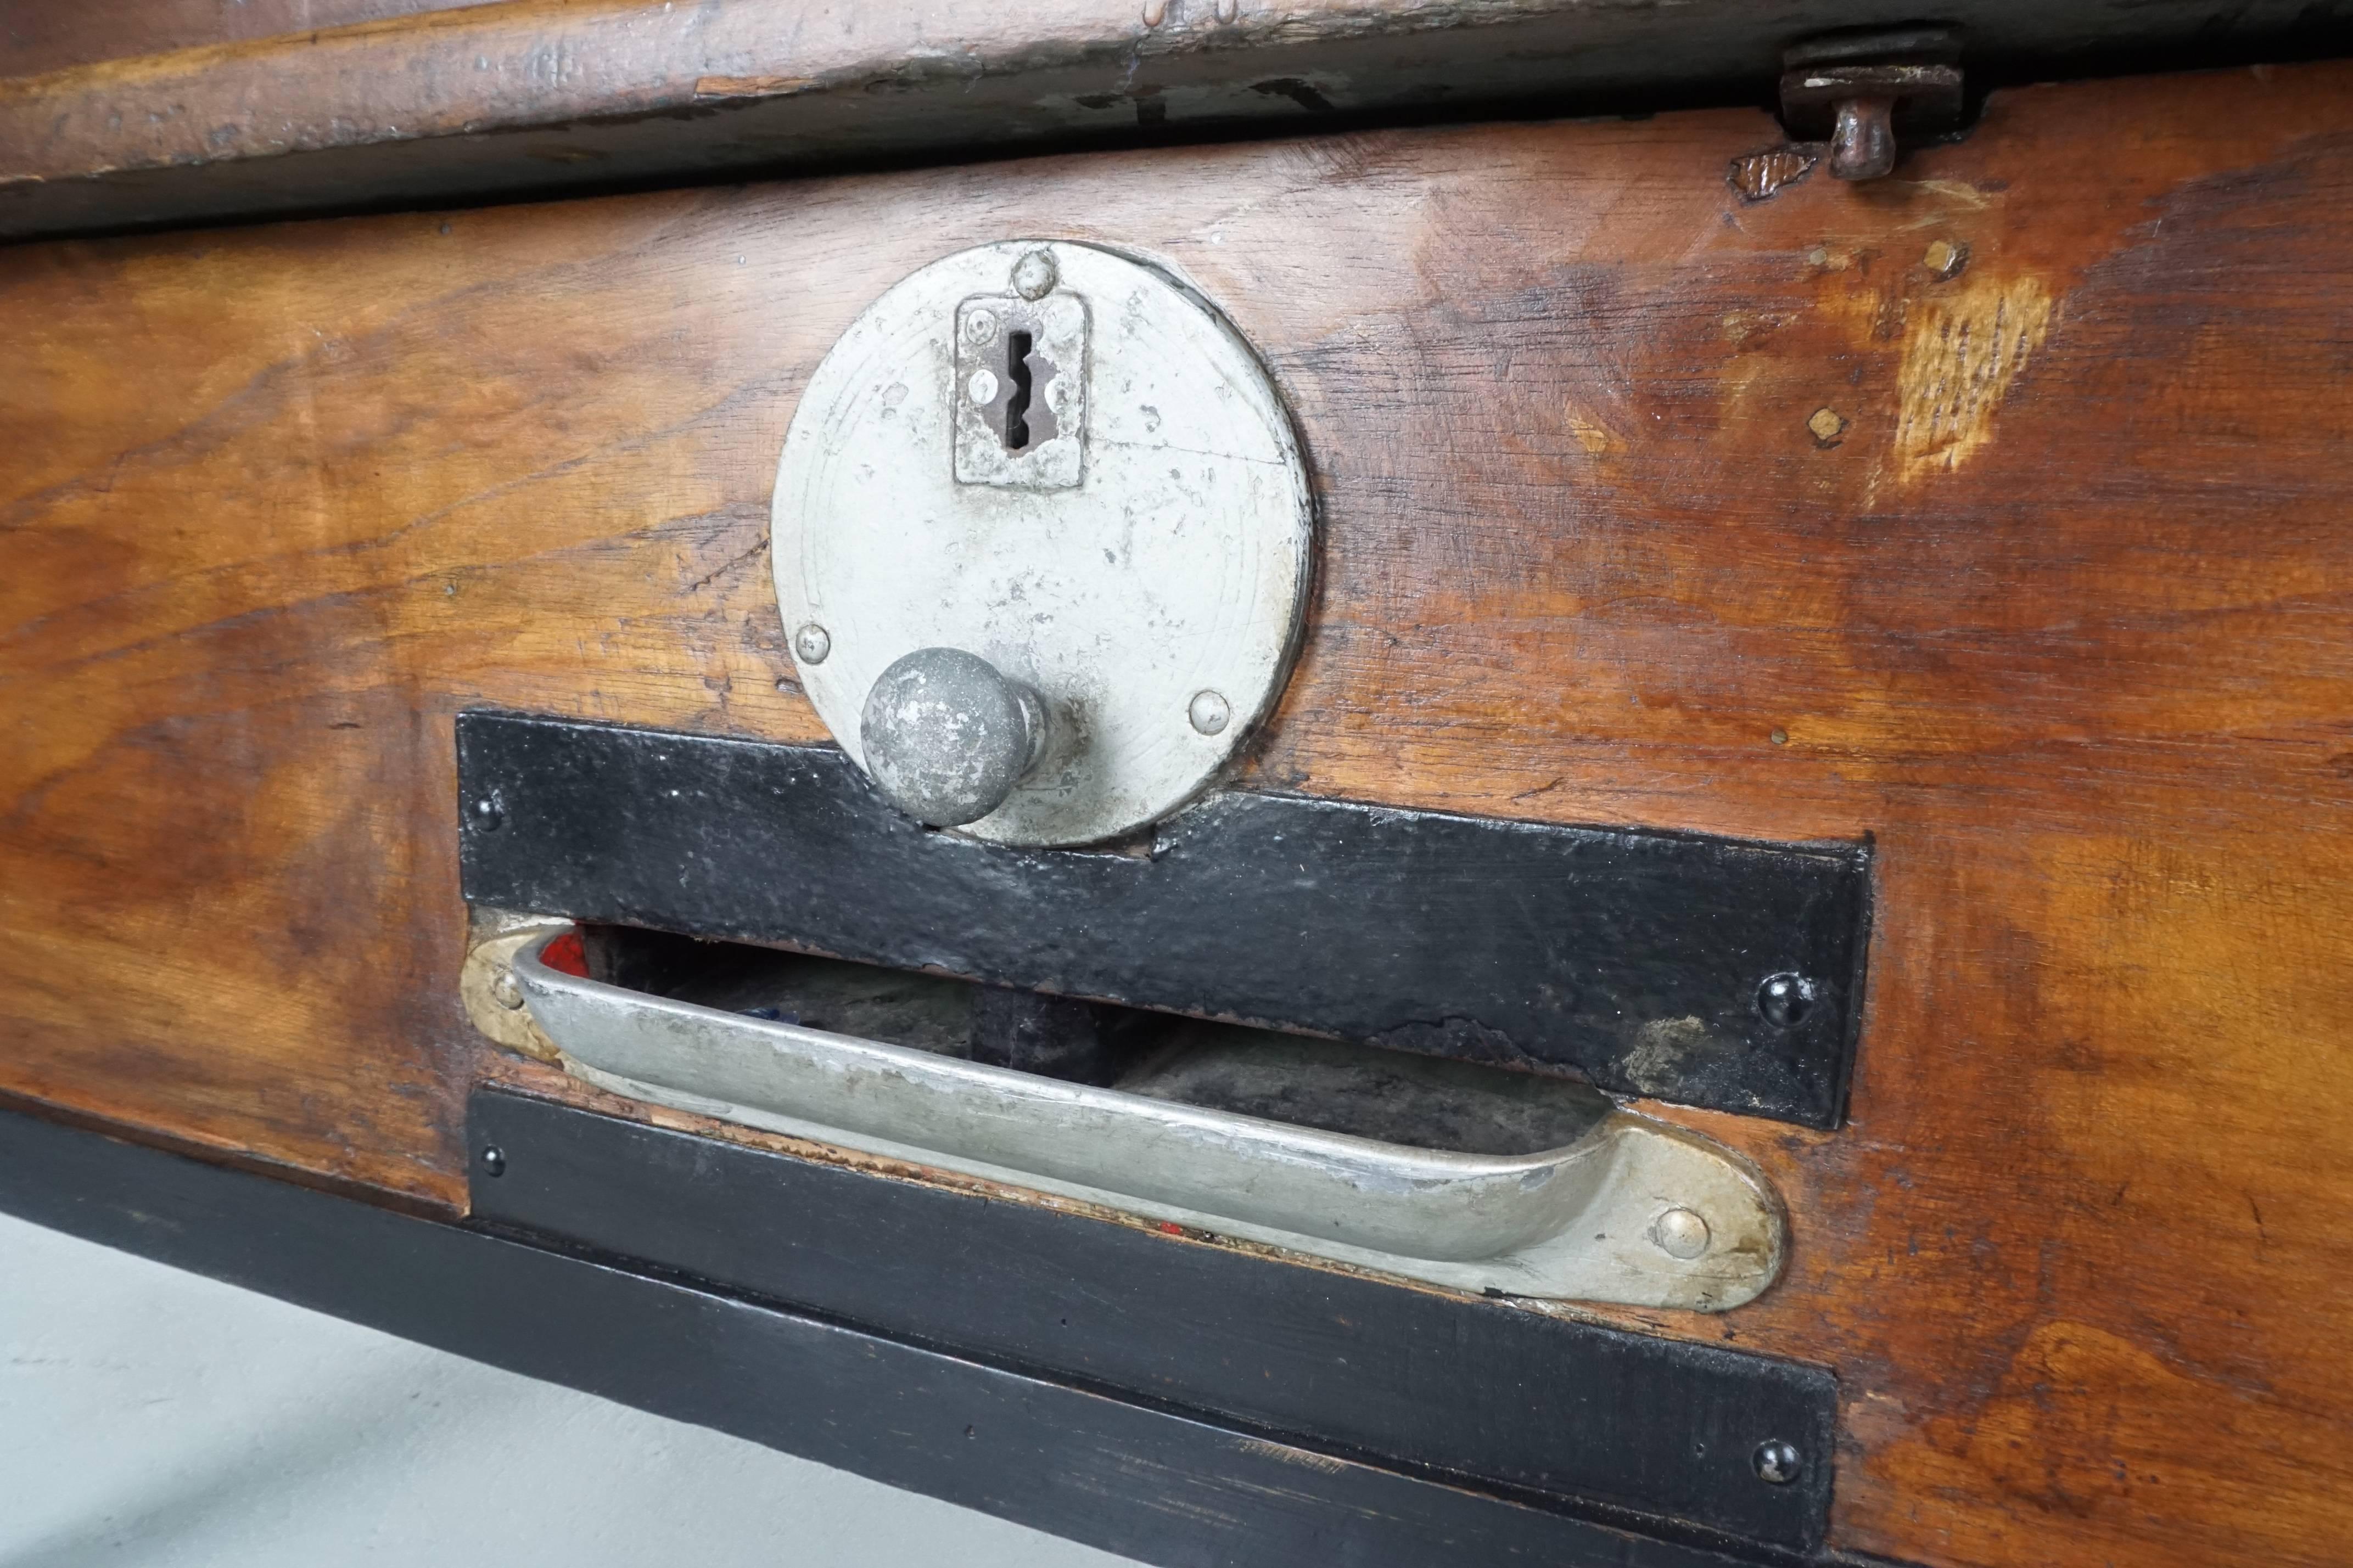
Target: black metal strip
1145,1482
1645,962
1642,1424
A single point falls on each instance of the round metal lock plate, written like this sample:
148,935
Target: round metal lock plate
1067,464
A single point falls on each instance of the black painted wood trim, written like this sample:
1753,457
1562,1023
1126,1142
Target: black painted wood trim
1153,1484
1639,1424
1634,960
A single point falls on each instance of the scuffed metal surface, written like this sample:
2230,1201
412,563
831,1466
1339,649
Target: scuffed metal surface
1567,1222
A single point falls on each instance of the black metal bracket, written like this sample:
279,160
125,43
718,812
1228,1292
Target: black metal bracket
1704,971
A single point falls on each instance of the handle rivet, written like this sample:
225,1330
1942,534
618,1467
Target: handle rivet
1679,1233
494,1161
1784,999
1778,1461
812,643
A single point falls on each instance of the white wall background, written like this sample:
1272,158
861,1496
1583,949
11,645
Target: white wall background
149,1417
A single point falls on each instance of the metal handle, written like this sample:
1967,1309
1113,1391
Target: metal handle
946,736
1633,1212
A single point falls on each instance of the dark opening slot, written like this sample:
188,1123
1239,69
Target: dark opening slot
1017,401
1334,1086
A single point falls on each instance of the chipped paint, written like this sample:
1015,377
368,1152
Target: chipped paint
1285,1454
1961,355
1656,1064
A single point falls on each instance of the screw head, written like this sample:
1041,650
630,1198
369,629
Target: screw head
982,387
488,816
506,990
1785,999
812,643
494,1161
1209,712
1679,1233
1034,276
1778,1461
980,325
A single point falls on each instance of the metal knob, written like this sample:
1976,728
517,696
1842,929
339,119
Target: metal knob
947,736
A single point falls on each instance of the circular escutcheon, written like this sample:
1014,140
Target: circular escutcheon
1141,560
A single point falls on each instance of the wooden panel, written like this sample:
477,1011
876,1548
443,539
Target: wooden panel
1647,504
418,100
41,37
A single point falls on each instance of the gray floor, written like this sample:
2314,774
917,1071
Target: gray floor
149,1417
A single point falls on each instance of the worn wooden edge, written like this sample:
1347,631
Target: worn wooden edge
1148,1481
539,97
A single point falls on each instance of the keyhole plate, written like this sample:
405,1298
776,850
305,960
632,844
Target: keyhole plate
1030,428
1172,559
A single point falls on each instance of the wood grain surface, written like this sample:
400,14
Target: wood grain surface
144,112
37,37
1997,511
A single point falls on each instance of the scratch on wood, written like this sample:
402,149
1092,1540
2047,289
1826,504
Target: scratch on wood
750,86
1291,1456
1960,356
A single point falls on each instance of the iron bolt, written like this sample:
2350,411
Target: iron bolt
1777,1462
1209,712
1863,144
1784,999
812,642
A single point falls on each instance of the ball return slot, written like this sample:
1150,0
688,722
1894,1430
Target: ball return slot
1446,1171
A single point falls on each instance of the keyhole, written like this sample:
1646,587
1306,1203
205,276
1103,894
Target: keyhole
1017,401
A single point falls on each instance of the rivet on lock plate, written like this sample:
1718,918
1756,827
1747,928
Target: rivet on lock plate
1042,541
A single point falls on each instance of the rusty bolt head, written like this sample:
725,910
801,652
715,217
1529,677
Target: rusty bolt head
1945,259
